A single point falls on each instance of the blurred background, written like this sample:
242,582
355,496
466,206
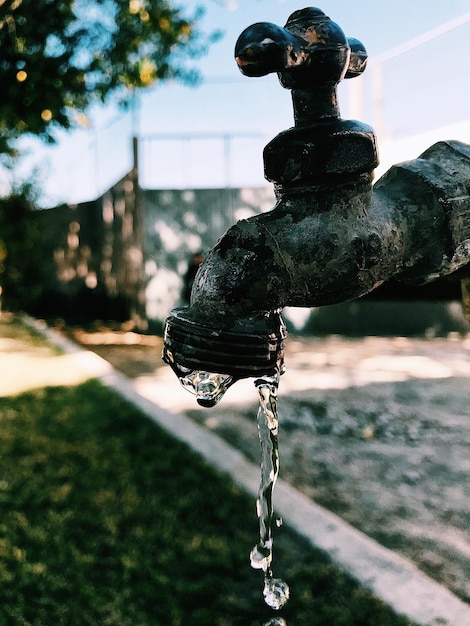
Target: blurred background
133,194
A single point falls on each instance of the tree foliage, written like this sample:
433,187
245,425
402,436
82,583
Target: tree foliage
22,251
59,56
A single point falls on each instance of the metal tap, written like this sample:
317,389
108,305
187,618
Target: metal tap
332,236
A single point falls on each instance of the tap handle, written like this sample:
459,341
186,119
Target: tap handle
310,50
357,60
264,48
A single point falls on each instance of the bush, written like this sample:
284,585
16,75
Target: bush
22,255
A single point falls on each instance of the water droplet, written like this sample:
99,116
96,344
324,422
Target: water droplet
208,387
261,556
276,621
275,592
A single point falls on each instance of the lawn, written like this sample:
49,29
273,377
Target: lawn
107,520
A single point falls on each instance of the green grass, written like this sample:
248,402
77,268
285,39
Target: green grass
12,327
107,520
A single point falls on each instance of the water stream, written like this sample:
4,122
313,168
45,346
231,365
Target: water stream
209,389
276,591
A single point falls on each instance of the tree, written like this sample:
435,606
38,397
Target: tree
22,251
59,56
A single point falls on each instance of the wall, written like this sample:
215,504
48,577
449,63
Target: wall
179,223
124,255
96,268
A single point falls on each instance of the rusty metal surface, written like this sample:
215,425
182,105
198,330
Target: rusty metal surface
332,236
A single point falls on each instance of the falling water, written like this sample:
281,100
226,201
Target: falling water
276,591
209,389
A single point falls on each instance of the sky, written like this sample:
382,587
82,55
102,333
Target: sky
213,135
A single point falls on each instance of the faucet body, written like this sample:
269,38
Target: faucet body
331,236
334,242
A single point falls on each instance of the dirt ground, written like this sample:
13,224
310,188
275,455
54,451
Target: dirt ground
376,430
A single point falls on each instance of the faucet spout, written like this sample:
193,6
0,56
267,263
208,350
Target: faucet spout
328,244
317,246
331,235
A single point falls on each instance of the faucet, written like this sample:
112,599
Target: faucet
332,235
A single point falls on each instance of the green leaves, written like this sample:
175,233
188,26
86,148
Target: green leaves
22,259
58,56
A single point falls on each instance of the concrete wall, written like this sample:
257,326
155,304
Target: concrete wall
125,254
179,223
96,264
